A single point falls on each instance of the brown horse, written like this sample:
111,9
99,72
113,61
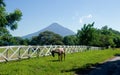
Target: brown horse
60,52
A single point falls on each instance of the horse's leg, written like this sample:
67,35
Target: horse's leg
58,56
61,56
64,56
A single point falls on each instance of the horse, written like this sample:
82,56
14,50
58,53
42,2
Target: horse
60,52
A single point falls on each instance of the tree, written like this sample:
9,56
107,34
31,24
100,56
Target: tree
19,41
117,41
104,37
5,39
107,37
47,38
70,40
34,41
8,20
86,34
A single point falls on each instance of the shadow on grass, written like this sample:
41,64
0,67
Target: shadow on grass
84,70
117,54
54,60
106,68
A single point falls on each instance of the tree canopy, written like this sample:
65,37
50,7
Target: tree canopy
8,20
86,34
47,38
104,37
70,40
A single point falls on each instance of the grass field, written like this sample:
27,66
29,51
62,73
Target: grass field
50,66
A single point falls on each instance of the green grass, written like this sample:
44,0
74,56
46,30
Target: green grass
49,65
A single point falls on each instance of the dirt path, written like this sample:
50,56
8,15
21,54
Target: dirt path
109,67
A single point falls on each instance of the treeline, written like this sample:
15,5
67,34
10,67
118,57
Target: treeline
104,37
88,35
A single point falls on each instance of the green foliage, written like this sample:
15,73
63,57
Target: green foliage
7,20
104,37
6,39
86,34
116,37
107,37
18,41
117,41
70,40
2,3
47,38
13,18
48,65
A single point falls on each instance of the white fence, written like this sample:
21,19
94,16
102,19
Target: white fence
8,53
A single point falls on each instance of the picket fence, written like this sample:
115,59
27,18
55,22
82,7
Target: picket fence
8,53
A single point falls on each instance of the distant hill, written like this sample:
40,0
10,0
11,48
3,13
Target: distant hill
54,27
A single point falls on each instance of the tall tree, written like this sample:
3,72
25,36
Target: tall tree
86,34
107,37
8,20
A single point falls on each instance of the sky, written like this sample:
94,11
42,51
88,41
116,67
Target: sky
72,14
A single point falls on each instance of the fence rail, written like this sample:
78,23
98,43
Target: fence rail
8,53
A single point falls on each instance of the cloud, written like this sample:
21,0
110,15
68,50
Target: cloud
85,17
81,21
89,16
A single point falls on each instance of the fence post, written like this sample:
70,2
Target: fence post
38,51
7,53
19,53
28,53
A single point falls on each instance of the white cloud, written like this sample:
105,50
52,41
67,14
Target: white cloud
89,16
81,20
